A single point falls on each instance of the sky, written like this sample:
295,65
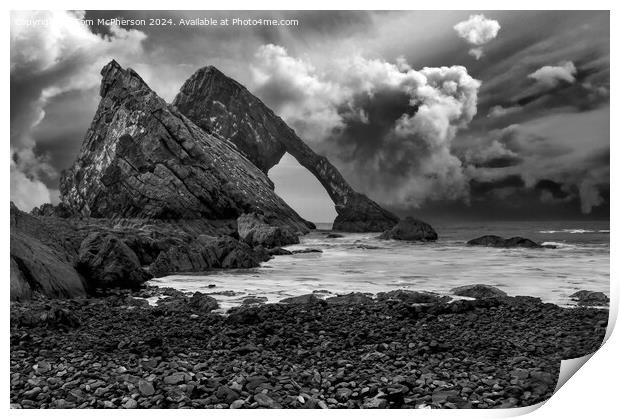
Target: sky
457,115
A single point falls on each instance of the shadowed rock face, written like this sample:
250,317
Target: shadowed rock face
218,104
142,158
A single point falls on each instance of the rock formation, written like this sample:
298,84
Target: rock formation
478,291
220,105
142,158
410,229
40,263
497,241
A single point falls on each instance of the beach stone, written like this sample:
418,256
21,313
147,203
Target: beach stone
176,378
265,401
237,404
478,291
130,404
146,388
410,229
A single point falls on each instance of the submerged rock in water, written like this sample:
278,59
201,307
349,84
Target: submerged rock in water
308,250
255,230
334,236
411,229
497,241
220,105
590,298
478,291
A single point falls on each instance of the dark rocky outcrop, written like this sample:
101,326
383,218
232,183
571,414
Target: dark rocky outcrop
412,297
142,158
204,253
48,210
108,262
410,229
478,291
301,299
39,263
255,230
590,298
497,241
219,104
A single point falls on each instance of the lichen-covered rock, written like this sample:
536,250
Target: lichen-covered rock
497,241
219,104
478,291
142,158
106,261
411,229
255,230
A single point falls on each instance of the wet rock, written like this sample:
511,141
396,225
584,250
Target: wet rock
590,298
334,236
497,241
299,251
410,229
249,301
278,251
478,291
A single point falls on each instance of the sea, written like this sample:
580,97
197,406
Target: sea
360,262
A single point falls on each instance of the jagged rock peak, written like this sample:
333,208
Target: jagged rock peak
141,158
221,105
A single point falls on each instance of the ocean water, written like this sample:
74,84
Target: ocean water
361,262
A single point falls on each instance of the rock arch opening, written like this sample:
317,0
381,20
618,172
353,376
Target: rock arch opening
302,191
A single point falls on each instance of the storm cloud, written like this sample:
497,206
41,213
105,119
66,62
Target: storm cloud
389,124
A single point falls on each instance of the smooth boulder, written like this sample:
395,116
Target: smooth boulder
478,291
410,229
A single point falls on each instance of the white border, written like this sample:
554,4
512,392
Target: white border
591,393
